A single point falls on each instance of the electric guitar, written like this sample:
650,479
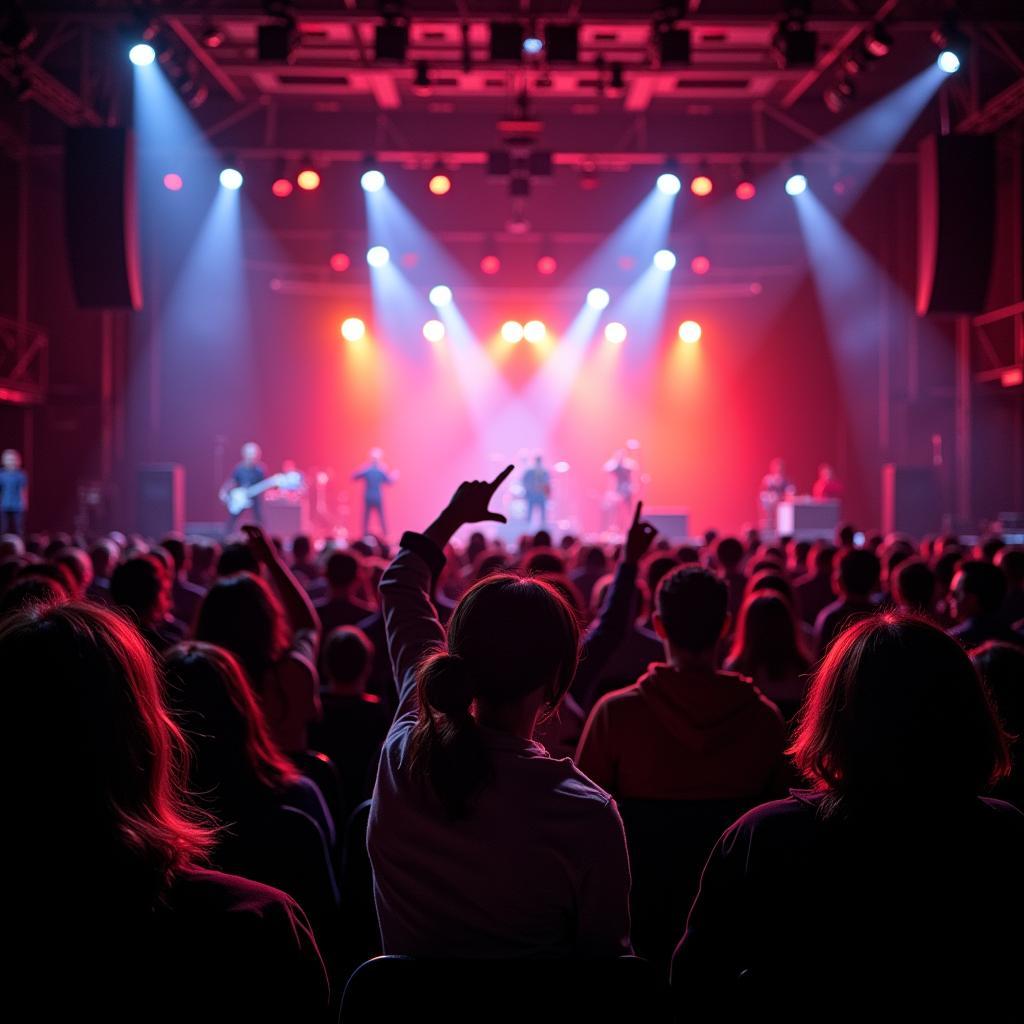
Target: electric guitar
238,499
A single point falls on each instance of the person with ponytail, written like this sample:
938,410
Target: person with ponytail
482,845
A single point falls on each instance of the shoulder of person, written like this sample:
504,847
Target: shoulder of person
218,892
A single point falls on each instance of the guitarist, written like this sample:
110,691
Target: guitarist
248,472
537,490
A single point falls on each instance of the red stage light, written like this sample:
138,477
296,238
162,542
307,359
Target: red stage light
173,182
490,264
340,262
700,265
701,185
440,184
547,265
746,190
282,187
308,180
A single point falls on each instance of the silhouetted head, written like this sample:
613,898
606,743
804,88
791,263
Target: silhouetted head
691,610
896,707
348,657
913,586
766,637
512,649
979,588
342,569
858,573
142,587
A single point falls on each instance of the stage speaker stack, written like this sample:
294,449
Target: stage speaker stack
911,499
955,223
161,500
672,524
100,218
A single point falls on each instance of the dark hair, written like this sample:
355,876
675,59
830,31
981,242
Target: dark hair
235,558
687,555
103,554
301,546
985,582
1011,561
774,581
729,552
824,556
242,614
945,567
30,592
541,539
845,533
342,569
593,557
656,569
204,554
59,574
544,560
122,787
175,546
488,562
766,638
508,637
897,706
990,547
476,546
1002,667
347,653
215,706
913,585
769,564
859,571
136,586
692,604
78,563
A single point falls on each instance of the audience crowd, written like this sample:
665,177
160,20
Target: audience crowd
772,769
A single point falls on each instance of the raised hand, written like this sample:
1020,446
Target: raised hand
469,503
259,543
640,537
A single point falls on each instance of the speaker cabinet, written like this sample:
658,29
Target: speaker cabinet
161,499
956,223
911,499
100,218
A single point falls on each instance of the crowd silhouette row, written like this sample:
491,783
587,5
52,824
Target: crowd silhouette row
767,768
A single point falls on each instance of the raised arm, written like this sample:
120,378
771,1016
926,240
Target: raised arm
411,622
297,605
604,636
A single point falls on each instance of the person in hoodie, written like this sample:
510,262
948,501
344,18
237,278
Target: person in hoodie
685,731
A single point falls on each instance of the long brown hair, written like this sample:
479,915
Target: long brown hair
896,703
209,693
88,677
508,637
766,637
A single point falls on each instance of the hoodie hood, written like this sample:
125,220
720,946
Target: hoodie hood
702,710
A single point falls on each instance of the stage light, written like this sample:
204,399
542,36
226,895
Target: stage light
440,295
308,179
532,44
615,333
877,41
213,38
669,183
173,182
534,331
700,265
701,185
231,178
690,332
745,190
339,262
948,62
796,184
378,256
512,331
547,265
440,184
353,329
433,330
281,187
665,259
838,95
142,55
372,180
490,264
598,298
421,84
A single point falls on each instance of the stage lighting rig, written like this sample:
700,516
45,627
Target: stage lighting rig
794,45
277,38
839,94
952,44
391,38
671,43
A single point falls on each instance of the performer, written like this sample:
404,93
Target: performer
620,496
13,492
375,475
774,487
249,472
537,490
827,485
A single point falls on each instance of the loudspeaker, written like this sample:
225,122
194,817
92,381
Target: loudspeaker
161,508
672,524
955,222
100,218
911,499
